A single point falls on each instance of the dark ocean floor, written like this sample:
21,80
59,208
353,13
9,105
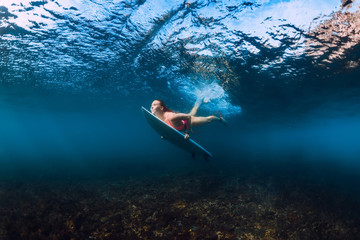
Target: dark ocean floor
256,200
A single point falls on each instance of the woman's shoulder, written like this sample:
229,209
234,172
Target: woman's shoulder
169,115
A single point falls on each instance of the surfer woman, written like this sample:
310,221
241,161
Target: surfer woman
182,121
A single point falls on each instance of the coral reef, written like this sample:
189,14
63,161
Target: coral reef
192,205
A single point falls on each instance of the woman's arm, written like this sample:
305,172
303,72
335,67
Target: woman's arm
182,116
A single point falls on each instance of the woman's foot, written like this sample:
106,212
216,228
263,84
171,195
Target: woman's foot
223,121
206,100
220,118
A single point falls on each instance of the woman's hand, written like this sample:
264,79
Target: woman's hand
186,136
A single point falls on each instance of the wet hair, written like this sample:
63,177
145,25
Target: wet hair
166,109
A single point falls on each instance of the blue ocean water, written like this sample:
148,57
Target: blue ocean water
74,75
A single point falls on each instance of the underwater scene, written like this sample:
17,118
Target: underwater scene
78,159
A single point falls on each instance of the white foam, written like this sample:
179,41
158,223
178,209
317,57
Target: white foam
219,99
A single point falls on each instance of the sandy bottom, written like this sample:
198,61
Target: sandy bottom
255,202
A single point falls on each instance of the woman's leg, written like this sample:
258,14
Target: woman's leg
199,121
195,108
197,104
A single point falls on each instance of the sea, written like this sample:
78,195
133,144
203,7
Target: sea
78,160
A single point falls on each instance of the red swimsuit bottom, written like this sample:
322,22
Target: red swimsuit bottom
179,128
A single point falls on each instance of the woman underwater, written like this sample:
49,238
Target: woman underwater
182,121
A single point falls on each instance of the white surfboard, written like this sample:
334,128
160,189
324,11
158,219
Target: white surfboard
174,136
